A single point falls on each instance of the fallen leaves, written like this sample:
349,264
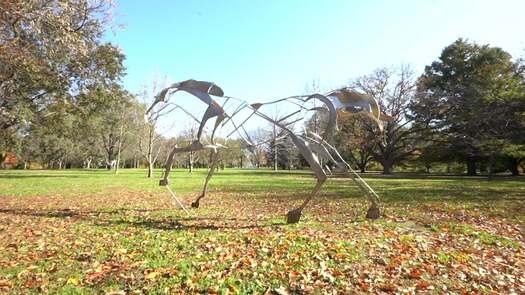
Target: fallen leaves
422,285
126,242
415,274
5,284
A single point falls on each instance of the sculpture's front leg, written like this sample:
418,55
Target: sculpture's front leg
293,216
167,169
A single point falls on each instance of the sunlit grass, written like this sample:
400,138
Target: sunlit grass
84,232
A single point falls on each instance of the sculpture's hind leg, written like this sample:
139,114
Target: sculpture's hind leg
373,211
293,216
213,166
193,147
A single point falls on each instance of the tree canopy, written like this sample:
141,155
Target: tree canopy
49,52
473,96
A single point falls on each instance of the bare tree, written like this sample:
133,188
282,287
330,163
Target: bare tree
275,134
355,142
275,147
259,136
149,139
394,89
189,135
317,118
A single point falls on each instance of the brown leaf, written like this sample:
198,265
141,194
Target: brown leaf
5,284
364,285
388,287
423,285
94,276
414,274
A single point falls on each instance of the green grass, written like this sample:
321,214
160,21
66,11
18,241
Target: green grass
90,231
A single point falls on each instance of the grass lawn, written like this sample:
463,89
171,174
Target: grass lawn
85,232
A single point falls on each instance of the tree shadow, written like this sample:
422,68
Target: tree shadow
66,212
42,213
176,224
160,223
26,176
441,176
267,172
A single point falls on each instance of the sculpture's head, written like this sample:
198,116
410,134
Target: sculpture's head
349,102
200,89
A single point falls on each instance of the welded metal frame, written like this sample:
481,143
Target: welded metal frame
312,146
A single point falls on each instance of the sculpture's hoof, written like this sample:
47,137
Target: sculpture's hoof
195,204
373,213
293,216
163,182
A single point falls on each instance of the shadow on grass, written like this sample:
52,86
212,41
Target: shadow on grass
166,223
90,214
177,225
444,176
26,176
40,213
264,172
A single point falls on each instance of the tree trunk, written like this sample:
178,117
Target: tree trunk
150,162
387,167
110,157
150,152
150,169
361,160
362,163
490,167
274,142
471,166
274,155
513,165
190,162
118,158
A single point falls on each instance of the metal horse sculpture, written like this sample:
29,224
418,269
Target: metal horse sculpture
312,146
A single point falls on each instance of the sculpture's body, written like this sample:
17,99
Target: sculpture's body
312,146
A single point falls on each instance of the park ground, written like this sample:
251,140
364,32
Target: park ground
90,231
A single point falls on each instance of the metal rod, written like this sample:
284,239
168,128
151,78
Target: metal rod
177,199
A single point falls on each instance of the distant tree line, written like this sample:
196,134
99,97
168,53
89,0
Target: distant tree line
62,105
466,110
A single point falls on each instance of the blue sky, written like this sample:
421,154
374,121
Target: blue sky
260,50
267,49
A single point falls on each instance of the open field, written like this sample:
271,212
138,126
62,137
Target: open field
83,232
